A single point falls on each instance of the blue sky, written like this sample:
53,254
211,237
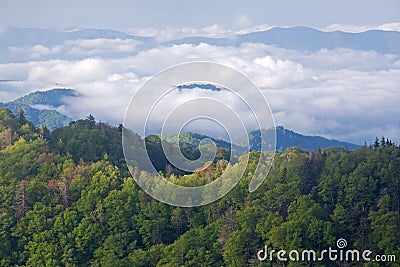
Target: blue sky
126,14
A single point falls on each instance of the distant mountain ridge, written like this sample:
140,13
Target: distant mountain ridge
52,99
304,38
193,139
48,101
296,38
309,39
285,138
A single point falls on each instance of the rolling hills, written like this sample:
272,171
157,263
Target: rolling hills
40,107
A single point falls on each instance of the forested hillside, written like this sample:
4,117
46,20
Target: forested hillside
67,199
40,106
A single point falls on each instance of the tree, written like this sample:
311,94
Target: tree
376,143
21,200
63,202
21,117
383,141
44,133
7,138
91,118
120,127
385,227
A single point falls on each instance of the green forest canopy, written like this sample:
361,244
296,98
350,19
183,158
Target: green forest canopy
68,200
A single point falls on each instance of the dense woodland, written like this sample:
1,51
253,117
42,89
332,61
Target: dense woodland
67,199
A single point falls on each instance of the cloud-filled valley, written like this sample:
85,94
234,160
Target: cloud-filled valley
343,93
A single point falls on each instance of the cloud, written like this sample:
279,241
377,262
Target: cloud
341,93
36,51
101,46
276,73
80,48
11,90
176,109
347,28
243,24
67,72
242,20
395,26
257,28
344,58
171,33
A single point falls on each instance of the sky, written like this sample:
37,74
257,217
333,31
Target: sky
234,14
346,94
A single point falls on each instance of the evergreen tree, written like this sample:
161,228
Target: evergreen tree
66,200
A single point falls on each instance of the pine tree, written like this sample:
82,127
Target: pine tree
376,143
120,127
91,118
21,117
383,141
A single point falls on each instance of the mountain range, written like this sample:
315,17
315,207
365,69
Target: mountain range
40,107
285,138
15,40
308,39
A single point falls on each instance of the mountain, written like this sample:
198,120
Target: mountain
40,107
193,139
20,39
72,201
304,38
287,138
54,97
308,39
19,43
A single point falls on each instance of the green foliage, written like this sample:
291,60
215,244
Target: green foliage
86,140
48,117
196,247
69,201
54,97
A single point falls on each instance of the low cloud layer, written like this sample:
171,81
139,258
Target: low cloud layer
395,26
242,21
341,93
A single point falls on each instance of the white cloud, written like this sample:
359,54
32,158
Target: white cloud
276,73
170,33
242,20
36,51
257,28
347,28
39,50
68,72
105,46
395,26
244,26
344,58
80,48
341,93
